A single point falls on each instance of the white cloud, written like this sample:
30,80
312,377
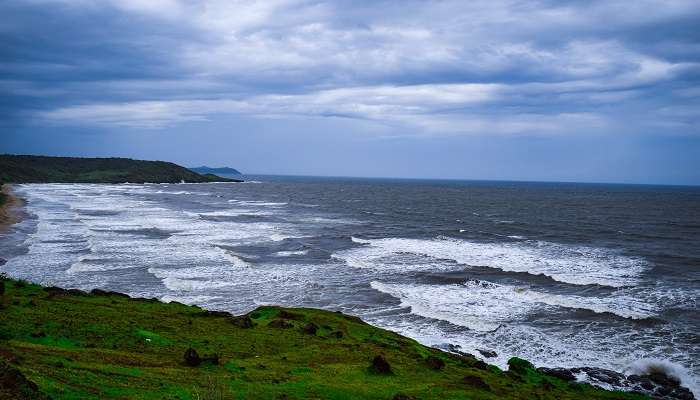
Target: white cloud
434,67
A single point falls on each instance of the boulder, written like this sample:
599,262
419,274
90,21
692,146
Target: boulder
336,335
480,365
435,363
220,314
279,323
310,329
561,373
100,292
380,365
243,321
192,358
14,385
487,353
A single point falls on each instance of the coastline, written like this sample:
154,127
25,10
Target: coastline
10,209
67,343
12,213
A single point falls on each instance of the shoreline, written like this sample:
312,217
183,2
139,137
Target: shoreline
271,352
11,212
10,209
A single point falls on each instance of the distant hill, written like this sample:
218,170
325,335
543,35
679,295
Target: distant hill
43,169
210,170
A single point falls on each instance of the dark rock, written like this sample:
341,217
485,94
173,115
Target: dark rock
284,314
605,376
219,314
487,353
561,373
476,382
336,335
354,319
280,323
646,384
100,292
435,363
192,358
54,291
682,394
480,365
664,380
310,328
380,365
663,391
243,321
14,385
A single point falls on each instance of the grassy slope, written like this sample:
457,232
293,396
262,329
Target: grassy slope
97,347
40,169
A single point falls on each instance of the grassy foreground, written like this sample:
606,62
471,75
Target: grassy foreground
73,345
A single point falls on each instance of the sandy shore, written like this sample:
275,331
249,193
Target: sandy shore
10,211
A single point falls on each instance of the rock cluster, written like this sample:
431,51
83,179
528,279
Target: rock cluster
656,385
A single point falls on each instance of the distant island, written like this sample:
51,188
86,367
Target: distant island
44,169
220,170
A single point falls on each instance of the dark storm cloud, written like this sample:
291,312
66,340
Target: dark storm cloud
425,68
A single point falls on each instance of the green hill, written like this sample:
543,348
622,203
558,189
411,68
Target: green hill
43,169
68,344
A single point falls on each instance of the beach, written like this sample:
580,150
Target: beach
10,211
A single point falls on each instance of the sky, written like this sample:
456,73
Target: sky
592,91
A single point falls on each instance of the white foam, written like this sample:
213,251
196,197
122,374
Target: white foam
647,366
189,300
573,264
484,306
235,260
291,253
262,203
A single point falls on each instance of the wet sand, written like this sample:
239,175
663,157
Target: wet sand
10,210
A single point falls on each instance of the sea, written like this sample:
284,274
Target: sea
561,274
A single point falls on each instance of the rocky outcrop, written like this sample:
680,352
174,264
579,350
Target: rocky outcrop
192,358
380,365
487,353
656,384
310,329
280,323
14,385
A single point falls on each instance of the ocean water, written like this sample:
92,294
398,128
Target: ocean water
560,274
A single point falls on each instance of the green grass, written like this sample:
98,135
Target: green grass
102,347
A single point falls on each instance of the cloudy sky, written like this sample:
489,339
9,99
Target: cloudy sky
601,91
